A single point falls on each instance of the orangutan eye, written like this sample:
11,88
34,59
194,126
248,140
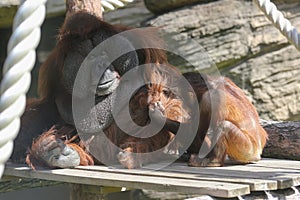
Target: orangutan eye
149,86
166,92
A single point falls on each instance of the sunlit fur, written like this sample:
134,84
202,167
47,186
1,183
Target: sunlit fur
52,141
241,136
157,92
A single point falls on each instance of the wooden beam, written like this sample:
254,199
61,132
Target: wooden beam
92,7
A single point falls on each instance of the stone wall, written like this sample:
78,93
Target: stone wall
245,47
239,39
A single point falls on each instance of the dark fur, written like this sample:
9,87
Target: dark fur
41,114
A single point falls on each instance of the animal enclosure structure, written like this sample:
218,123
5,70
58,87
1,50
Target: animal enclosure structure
226,182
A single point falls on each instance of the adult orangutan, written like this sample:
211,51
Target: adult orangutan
54,149
78,36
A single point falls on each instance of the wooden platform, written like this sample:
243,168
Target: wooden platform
228,181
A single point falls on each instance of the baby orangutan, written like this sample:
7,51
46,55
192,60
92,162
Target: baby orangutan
53,150
149,106
228,123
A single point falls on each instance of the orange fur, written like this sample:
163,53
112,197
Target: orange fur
145,97
52,139
241,136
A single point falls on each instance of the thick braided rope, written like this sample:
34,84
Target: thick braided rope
108,5
16,72
280,22
18,65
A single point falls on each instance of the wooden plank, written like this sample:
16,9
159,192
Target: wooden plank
285,181
213,188
285,172
285,176
255,184
259,176
277,163
268,174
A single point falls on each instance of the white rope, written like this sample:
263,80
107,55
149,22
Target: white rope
16,72
18,65
280,22
108,5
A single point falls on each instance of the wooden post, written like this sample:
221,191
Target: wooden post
82,192
92,7
92,192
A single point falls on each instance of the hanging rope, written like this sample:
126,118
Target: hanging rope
18,65
280,22
108,5
16,72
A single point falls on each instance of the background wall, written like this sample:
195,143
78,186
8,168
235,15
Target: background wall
246,47
239,39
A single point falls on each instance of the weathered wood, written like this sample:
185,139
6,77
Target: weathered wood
268,174
266,169
91,6
145,181
78,192
284,140
181,170
228,181
91,192
285,179
278,164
